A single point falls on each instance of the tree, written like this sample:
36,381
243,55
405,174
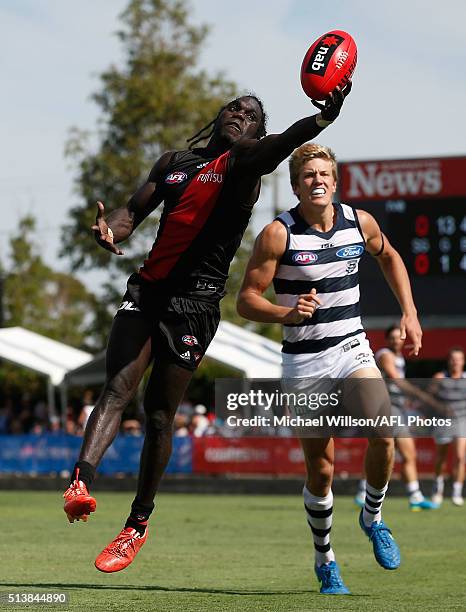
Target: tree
149,105
47,302
38,298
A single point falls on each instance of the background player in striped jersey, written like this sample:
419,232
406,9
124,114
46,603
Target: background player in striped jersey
450,389
170,311
393,365
311,254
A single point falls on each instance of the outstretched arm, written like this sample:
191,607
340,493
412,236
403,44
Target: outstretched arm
396,276
263,156
121,222
268,250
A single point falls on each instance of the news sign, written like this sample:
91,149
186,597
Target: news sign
409,179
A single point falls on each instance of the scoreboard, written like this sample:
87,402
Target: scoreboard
420,204
434,239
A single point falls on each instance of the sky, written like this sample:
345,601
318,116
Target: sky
408,97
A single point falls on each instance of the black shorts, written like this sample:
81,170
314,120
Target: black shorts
183,326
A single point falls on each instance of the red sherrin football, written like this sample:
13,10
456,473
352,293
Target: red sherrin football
329,62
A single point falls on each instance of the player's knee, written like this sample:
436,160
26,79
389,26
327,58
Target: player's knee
118,393
409,459
320,471
408,455
320,480
158,420
326,473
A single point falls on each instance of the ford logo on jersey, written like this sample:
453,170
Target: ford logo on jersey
304,258
176,177
350,251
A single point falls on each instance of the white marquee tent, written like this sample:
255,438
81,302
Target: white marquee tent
41,354
254,355
247,352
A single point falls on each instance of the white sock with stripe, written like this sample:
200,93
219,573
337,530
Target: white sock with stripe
372,511
319,511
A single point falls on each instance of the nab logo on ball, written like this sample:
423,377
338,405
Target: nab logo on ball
322,54
355,250
304,258
176,177
329,62
190,340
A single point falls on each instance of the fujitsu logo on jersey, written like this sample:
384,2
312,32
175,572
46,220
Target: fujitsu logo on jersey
396,180
210,177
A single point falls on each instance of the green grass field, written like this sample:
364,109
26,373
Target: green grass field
228,553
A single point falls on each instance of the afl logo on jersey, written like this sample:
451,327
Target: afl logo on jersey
355,250
304,258
176,177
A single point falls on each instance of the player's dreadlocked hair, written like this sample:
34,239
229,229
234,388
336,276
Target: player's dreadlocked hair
207,131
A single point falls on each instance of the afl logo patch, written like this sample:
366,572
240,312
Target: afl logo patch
304,258
350,251
176,177
190,340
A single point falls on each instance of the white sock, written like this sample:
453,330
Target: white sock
414,491
372,511
439,485
319,512
457,489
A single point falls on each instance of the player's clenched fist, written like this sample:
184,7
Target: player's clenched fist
305,307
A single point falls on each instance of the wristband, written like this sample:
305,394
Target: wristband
322,123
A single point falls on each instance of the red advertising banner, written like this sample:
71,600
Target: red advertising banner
402,179
283,456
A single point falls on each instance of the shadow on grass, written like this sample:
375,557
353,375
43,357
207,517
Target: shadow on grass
130,587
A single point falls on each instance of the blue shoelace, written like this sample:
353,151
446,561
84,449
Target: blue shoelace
382,531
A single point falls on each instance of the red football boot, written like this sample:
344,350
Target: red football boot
79,504
121,552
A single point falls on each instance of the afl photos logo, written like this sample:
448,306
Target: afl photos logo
304,258
175,177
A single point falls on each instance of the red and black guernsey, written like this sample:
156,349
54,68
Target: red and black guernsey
201,226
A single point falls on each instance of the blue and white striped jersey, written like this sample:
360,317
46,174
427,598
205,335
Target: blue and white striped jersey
452,392
328,262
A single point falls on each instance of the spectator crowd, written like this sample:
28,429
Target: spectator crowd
26,415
